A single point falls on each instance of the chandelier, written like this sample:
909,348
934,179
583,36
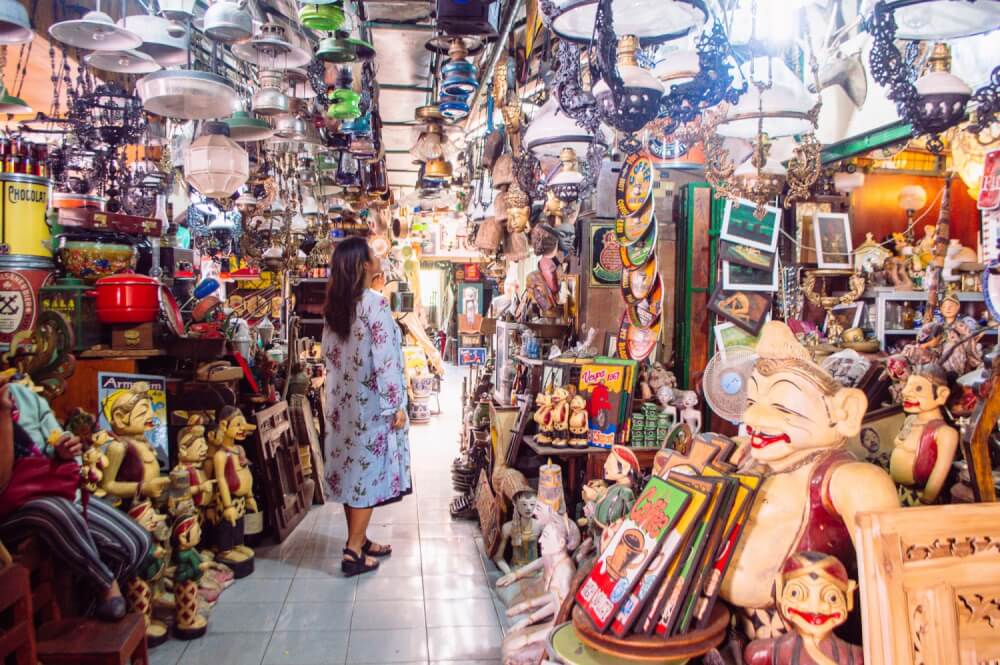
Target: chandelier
776,105
214,164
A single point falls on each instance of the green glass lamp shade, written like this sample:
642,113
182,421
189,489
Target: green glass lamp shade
245,127
11,104
323,18
363,49
344,104
337,50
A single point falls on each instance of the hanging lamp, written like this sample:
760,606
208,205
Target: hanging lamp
214,164
186,95
245,127
122,62
567,183
270,100
322,17
459,77
96,31
638,101
551,130
271,49
336,49
15,26
943,20
651,21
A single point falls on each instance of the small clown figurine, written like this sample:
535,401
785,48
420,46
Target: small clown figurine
621,470
814,596
188,623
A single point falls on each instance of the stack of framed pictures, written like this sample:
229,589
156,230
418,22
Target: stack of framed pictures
635,231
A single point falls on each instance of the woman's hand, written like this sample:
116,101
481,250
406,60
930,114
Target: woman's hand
68,447
399,420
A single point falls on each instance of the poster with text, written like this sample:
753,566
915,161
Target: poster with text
117,395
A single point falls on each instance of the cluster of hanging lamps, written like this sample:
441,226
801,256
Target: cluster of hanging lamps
459,81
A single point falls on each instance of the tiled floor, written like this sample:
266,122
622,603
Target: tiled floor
430,602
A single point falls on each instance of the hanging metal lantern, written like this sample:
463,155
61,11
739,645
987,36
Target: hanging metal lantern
269,100
636,101
214,164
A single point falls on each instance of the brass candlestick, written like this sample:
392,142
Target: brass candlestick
834,331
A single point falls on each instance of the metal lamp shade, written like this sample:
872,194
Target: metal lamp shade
177,10
362,49
12,105
437,170
453,107
94,32
186,95
943,20
322,18
270,102
245,127
160,39
333,49
641,100
216,166
15,27
649,20
459,78
228,22
122,62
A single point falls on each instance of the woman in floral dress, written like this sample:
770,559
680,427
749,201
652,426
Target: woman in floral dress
367,435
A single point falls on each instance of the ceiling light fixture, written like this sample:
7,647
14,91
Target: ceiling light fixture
214,164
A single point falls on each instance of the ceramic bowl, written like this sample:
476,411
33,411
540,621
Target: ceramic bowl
91,261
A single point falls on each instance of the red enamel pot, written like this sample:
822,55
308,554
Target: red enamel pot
127,298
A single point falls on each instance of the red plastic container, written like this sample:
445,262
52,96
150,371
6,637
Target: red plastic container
128,299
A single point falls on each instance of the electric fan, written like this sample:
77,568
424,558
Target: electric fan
725,382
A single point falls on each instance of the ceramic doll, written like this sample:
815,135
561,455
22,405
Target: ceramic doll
621,470
799,419
521,532
690,415
543,417
525,641
133,472
925,447
234,491
188,623
579,423
560,418
814,595
146,585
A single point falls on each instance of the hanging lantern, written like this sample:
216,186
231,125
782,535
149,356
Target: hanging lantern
246,127
942,96
968,156
551,130
15,27
640,95
652,21
437,170
96,31
214,164
269,99
458,75
567,182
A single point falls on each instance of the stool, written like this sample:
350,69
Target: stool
17,638
78,640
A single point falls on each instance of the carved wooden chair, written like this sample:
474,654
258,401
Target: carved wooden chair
930,585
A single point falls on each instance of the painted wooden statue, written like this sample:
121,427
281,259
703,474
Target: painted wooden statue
133,472
560,418
188,623
234,491
192,454
621,470
799,420
543,418
815,595
525,641
522,532
579,423
925,447
146,585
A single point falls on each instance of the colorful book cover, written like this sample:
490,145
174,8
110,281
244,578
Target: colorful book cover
630,550
669,554
607,385
739,514
113,385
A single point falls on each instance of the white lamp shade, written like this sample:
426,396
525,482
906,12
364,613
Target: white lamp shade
846,183
677,67
941,83
552,130
912,197
944,20
772,167
566,178
642,18
787,95
216,166
633,76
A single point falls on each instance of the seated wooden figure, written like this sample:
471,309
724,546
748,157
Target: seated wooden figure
799,419
925,446
814,596
234,491
188,623
522,532
525,641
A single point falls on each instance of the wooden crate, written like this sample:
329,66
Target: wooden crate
128,337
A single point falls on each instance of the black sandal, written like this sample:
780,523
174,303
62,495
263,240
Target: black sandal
355,564
368,548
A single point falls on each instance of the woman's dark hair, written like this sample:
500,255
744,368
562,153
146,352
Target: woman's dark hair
346,285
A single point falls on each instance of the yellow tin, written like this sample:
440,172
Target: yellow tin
23,229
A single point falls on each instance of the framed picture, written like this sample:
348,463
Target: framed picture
470,307
747,309
611,345
848,316
472,355
751,257
606,257
739,225
832,234
805,214
729,335
739,277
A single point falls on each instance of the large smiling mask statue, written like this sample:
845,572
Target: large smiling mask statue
799,420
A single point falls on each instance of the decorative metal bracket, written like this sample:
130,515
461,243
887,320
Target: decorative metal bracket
986,101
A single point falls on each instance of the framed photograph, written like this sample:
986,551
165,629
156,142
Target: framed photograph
472,355
848,316
832,234
751,257
747,309
729,335
805,214
606,256
470,307
739,225
737,277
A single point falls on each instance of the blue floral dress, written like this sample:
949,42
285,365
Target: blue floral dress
367,462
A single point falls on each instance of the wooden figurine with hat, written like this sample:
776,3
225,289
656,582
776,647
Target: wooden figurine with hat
814,595
185,536
621,471
146,585
799,419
